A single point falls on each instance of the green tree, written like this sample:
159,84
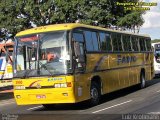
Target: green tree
17,15
131,21
11,16
155,40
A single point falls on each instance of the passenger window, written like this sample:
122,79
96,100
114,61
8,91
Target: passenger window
142,44
88,38
103,42
126,43
91,41
108,43
116,41
78,37
119,42
148,44
95,41
134,41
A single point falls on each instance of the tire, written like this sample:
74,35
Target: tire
94,94
142,81
48,106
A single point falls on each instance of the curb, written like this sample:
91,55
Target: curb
4,96
6,92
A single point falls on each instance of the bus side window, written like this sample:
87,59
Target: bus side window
108,43
134,43
142,44
148,44
103,41
78,37
95,41
89,43
116,42
126,43
120,48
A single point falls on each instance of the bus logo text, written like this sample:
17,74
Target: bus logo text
125,59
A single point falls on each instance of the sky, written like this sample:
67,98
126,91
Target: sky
151,25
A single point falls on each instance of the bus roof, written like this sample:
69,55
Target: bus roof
69,26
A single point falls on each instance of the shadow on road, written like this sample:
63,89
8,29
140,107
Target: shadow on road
154,81
105,98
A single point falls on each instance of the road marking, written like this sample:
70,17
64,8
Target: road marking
9,100
6,103
35,107
112,106
154,113
158,91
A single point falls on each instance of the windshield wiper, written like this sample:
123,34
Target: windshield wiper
28,71
26,74
44,66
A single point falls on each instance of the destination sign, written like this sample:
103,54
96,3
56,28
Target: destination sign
31,38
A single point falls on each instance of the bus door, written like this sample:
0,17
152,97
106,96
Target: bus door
79,52
79,63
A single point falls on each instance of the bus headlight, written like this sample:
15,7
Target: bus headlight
61,85
21,87
57,85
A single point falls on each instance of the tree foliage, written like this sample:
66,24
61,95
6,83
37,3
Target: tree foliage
17,15
155,40
131,21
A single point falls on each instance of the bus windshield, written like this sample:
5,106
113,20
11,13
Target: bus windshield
41,54
157,55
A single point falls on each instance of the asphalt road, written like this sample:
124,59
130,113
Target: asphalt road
126,104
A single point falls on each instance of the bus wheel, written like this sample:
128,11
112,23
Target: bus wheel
95,94
142,81
48,106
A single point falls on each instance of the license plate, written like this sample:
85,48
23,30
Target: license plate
40,96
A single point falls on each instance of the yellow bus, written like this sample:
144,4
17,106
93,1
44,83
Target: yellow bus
70,63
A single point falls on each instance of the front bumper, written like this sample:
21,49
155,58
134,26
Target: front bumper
44,96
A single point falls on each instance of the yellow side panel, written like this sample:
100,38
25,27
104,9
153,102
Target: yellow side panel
82,86
124,77
112,82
